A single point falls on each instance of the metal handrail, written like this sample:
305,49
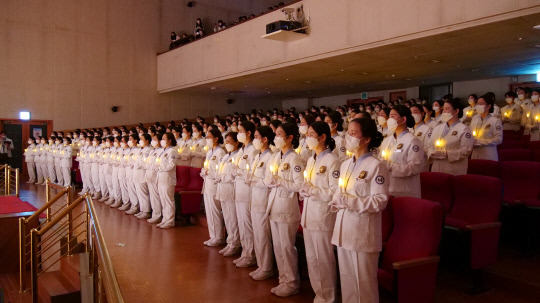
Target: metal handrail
48,205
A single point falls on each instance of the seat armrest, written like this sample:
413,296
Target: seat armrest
482,225
415,262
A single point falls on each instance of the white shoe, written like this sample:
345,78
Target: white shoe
125,207
109,202
274,289
238,260
286,291
246,263
132,211
154,220
165,226
262,275
231,252
224,250
213,243
116,204
256,271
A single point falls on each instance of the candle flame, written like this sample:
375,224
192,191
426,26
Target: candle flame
439,143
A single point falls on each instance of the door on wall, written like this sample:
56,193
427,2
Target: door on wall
435,92
394,95
14,131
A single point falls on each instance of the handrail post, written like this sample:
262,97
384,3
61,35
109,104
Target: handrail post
87,210
22,255
47,198
7,179
17,177
34,264
70,225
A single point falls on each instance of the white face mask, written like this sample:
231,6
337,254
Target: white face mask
392,124
42,141
241,137
57,142
131,144
65,143
141,143
154,143
234,128
263,123
436,108
50,142
184,136
312,143
163,143
417,117
368,111
257,143
521,97
75,136
87,143
303,129
534,98
108,144
123,145
471,101
279,142
509,100
69,136
480,109
229,147
116,144
30,142
446,117
352,144
381,120
196,134
216,121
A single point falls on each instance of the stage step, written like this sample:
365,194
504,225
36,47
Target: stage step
62,286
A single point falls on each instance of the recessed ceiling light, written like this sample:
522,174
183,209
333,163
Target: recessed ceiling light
331,83
351,86
213,88
435,61
268,92
475,70
408,79
245,85
536,26
307,81
287,79
364,73
520,38
393,76
342,70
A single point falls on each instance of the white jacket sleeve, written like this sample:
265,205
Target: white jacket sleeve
378,197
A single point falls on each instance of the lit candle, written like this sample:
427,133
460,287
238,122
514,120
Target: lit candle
247,167
298,150
537,118
439,143
205,148
528,115
341,185
506,114
469,113
384,154
306,178
273,169
474,133
206,164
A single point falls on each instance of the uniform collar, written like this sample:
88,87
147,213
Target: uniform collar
362,158
287,153
326,151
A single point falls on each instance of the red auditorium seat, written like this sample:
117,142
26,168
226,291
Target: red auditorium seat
515,154
534,145
182,178
387,219
438,187
506,144
511,135
301,205
483,168
521,183
536,155
409,262
191,197
477,204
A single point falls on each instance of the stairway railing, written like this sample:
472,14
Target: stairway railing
77,222
9,178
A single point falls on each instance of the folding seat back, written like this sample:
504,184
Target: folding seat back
534,145
195,179
521,180
387,219
477,199
191,197
506,144
515,154
182,177
511,135
536,155
437,187
483,168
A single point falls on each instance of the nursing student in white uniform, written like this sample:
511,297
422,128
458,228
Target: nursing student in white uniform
66,161
531,116
38,161
198,147
131,174
403,154
212,206
166,175
511,113
225,193
382,119
321,182
470,111
362,196
335,122
85,164
151,179
57,159
451,143
437,110
264,136
285,179
486,129
303,150
121,157
50,159
183,145
30,154
246,134
105,169
95,158
139,176
420,130
114,159
44,159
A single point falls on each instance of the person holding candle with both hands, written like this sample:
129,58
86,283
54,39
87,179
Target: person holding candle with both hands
450,143
362,196
285,179
487,130
321,182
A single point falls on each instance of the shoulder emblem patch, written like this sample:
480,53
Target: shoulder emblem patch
297,168
498,128
416,148
342,149
336,174
379,180
468,135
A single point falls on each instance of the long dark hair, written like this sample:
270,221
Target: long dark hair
404,111
322,128
369,130
266,132
456,104
291,129
336,118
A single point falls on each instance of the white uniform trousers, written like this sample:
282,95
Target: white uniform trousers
39,172
166,197
86,177
31,167
66,176
109,183
95,177
59,173
116,192
283,237
262,237
132,189
358,274
243,216
321,263
123,185
44,171
52,173
154,199
103,180
214,217
231,224
143,196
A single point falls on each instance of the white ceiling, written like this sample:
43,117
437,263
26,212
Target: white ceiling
493,50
